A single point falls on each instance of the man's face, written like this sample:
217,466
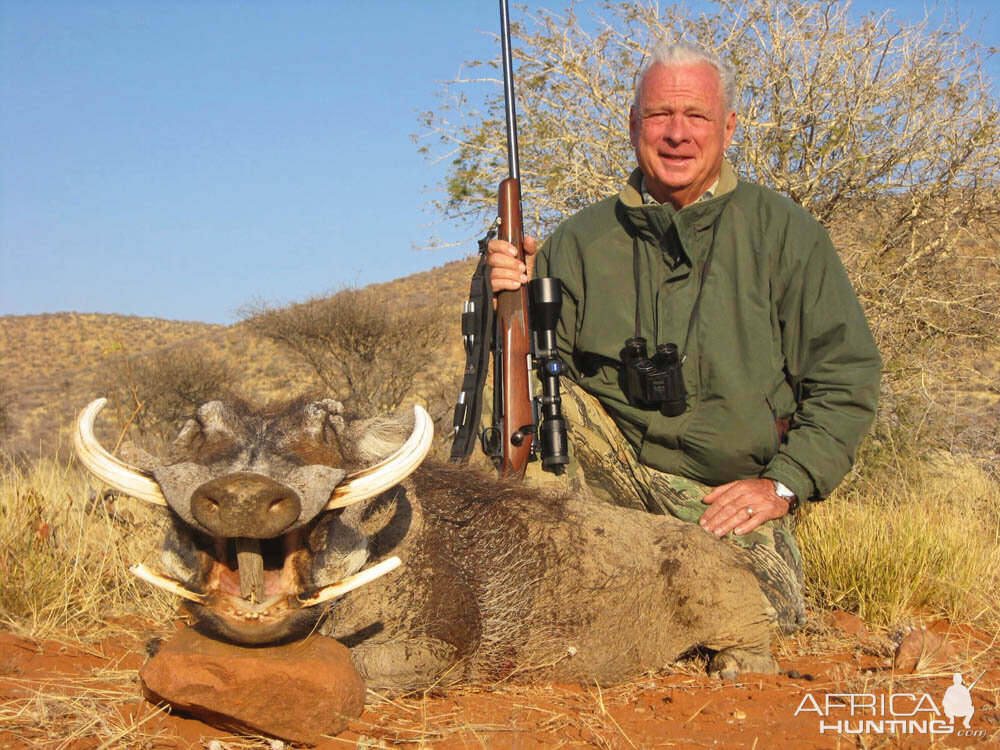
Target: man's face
680,131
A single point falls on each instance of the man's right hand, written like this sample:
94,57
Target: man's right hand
506,271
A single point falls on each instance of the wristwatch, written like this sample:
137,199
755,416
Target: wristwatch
786,494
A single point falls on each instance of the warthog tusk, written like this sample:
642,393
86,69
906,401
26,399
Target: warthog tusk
167,584
107,468
350,583
391,470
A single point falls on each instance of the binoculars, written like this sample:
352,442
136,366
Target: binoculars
657,382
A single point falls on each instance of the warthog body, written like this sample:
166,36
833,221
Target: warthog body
497,580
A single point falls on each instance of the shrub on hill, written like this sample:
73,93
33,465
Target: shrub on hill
157,392
364,350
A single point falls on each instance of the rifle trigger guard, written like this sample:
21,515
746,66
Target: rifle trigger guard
489,439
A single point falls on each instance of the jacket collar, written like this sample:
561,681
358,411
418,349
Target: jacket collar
652,222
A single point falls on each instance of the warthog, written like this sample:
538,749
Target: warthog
278,514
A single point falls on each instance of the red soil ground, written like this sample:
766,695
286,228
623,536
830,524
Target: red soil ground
678,710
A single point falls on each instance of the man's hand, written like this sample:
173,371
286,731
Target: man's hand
742,506
506,271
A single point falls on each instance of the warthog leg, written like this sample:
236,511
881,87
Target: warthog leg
734,661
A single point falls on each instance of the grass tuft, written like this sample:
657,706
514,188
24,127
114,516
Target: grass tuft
65,551
924,539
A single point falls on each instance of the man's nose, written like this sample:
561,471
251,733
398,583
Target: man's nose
676,130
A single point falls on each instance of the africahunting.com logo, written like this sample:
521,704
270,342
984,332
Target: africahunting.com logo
895,713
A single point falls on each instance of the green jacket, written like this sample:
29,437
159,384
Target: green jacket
779,332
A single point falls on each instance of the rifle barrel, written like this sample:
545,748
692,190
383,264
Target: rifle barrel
508,93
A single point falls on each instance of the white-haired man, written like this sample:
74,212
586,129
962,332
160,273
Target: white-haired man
779,366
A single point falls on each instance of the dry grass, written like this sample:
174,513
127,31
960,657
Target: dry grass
55,713
65,553
925,538
55,364
420,720
105,710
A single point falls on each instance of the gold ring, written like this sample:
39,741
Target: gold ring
750,512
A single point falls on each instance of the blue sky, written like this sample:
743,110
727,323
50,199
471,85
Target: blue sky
181,158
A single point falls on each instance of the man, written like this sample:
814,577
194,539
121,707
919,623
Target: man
780,368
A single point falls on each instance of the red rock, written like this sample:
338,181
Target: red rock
845,622
922,650
296,692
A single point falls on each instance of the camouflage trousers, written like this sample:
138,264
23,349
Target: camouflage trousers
604,467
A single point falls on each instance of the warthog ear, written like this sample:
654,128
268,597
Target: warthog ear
189,434
391,470
209,431
373,439
212,416
320,416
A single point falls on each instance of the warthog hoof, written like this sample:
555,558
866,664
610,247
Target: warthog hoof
730,663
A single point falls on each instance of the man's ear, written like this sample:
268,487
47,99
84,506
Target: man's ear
633,126
730,129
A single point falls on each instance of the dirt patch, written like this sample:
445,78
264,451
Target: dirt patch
65,695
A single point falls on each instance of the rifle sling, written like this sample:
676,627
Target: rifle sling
477,332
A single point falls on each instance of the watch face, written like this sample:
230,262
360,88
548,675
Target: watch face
783,491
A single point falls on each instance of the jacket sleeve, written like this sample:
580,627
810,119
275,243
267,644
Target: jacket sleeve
831,362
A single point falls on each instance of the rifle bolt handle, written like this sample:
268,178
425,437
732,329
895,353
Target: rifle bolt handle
518,437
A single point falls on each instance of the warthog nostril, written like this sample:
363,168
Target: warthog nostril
245,505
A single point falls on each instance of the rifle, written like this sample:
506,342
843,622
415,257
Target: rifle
511,441
512,358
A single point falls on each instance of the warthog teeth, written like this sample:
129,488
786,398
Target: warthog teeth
167,584
350,583
324,594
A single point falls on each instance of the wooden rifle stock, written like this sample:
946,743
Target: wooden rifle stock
513,347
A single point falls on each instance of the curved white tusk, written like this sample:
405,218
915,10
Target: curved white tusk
350,583
390,471
106,467
168,584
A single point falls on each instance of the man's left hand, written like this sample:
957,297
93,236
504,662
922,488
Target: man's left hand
742,506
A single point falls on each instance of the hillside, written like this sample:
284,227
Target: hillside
53,364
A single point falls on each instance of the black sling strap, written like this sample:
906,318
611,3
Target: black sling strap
477,332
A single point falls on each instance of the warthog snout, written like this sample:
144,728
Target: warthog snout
245,505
